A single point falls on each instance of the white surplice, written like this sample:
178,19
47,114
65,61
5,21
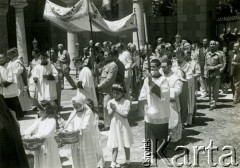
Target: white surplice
46,88
6,74
187,74
32,85
160,104
88,90
18,69
47,156
175,123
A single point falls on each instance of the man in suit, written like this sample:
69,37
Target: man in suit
108,78
235,72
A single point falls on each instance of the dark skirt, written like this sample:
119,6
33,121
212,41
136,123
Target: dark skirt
157,133
183,99
12,154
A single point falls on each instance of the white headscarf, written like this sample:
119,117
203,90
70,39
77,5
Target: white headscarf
81,99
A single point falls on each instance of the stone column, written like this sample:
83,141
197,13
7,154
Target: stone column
138,8
71,44
20,28
3,25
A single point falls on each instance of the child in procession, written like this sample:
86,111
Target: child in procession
87,152
47,156
90,104
120,133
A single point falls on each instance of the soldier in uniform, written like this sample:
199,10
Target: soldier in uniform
64,61
213,64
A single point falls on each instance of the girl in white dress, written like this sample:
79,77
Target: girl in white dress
120,133
85,153
47,156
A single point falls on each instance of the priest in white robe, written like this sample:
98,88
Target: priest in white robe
45,76
85,83
8,87
183,70
20,76
175,84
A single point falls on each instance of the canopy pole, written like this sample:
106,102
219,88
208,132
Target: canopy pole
90,22
146,39
90,19
138,43
49,35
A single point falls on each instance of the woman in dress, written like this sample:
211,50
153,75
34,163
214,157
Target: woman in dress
87,152
47,156
120,132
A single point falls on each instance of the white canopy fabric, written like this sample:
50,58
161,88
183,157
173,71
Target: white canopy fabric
76,18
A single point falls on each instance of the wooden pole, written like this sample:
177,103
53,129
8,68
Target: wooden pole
145,26
90,19
146,39
90,22
140,62
49,35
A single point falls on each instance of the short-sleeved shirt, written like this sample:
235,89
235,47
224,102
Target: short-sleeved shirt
63,57
213,59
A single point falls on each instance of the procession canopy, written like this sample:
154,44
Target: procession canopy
76,18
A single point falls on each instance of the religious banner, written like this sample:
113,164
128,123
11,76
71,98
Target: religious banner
76,18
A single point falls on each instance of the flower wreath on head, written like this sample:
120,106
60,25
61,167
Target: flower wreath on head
118,87
49,106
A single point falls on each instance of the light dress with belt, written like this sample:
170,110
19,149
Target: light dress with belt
120,134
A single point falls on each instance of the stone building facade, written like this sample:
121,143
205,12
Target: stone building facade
195,20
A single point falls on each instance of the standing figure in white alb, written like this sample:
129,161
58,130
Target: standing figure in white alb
45,77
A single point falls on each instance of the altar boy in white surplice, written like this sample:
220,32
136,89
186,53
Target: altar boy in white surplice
156,90
45,77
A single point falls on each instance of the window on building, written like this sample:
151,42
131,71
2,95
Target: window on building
164,7
226,8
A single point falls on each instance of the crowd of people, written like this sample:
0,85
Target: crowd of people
165,80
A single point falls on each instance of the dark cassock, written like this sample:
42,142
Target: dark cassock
12,154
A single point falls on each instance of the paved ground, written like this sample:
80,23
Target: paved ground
220,125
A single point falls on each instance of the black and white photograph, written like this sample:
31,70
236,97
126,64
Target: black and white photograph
119,83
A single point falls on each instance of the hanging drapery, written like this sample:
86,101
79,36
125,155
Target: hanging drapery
76,18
